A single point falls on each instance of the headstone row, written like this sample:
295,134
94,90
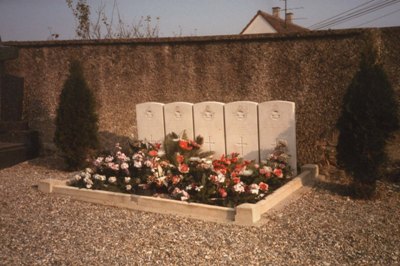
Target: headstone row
248,128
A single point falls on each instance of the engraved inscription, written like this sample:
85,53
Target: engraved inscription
208,114
241,113
149,113
275,115
178,113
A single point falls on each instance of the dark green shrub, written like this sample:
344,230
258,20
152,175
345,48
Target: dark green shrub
369,117
76,123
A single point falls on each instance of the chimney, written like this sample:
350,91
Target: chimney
275,11
289,18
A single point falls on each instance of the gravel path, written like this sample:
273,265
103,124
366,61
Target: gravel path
320,228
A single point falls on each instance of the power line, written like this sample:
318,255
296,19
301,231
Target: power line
340,18
328,19
359,12
372,20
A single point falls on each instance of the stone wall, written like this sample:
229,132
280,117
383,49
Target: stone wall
313,69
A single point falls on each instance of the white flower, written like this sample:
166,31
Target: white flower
220,178
148,163
195,159
137,164
128,187
185,195
112,179
127,179
96,176
102,177
77,177
160,153
88,185
239,187
199,188
189,187
89,171
109,159
137,157
247,172
254,189
124,166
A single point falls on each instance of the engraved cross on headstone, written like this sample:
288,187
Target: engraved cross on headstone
241,144
210,143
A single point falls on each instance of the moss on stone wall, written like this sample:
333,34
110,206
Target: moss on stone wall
313,69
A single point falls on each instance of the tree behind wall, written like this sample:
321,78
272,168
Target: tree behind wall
76,123
100,26
369,117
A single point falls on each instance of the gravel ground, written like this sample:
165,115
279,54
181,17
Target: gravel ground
323,227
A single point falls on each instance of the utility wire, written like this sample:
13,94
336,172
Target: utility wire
372,20
340,14
355,14
361,11
359,14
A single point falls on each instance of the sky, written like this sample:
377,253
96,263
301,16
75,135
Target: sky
29,20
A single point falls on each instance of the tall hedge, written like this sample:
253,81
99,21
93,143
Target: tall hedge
369,117
76,123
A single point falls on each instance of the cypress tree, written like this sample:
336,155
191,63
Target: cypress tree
369,117
76,122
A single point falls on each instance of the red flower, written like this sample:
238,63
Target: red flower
278,173
153,153
222,192
263,186
236,180
185,145
179,158
176,179
183,168
222,171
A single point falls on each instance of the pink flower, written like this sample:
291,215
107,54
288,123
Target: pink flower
153,153
183,168
278,172
263,186
179,158
222,192
239,187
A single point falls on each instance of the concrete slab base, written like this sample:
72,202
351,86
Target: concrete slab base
244,214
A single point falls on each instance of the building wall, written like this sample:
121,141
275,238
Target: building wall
259,25
313,69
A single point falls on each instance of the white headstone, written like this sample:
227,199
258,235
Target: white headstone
150,121
241,129
179,118
209,123
277,123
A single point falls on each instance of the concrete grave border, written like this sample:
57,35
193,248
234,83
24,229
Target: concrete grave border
244,214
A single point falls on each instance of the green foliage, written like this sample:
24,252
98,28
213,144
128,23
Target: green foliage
369,117
76,122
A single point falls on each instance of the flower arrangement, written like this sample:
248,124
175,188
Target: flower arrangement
178,169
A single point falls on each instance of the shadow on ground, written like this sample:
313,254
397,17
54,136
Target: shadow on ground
54,161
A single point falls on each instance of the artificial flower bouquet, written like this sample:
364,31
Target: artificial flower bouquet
180,170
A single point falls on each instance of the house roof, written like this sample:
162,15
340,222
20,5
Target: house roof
277,23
